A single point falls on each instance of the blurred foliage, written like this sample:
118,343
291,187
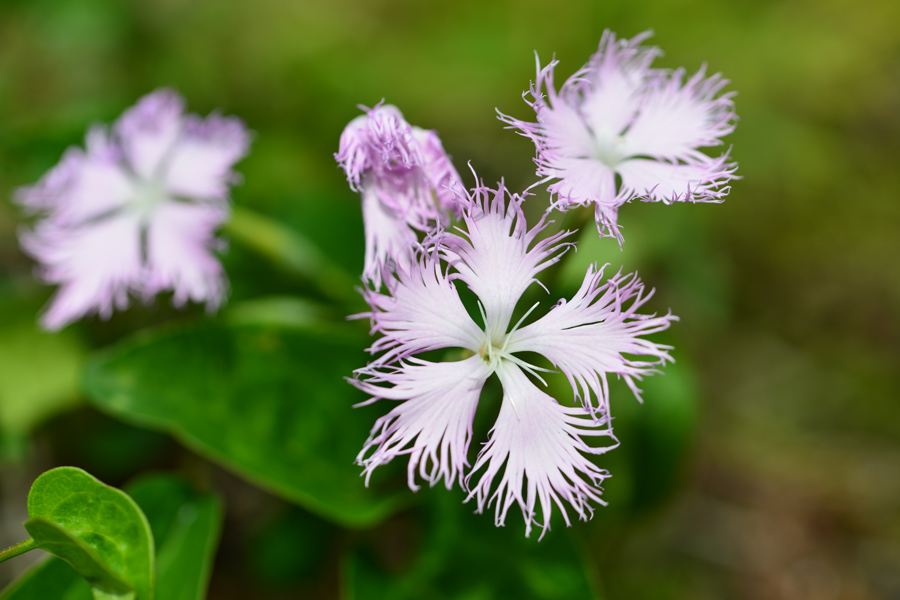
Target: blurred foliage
764,465
262,401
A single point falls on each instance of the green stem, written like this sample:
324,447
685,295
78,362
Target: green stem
292,250
20,548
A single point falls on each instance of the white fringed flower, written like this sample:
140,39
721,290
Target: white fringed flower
619,130
406,181
136,211
538,447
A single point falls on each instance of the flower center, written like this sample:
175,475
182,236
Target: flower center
610,151
147,198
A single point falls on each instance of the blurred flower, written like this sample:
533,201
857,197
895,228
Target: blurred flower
619,130
400,171
136,210
540,441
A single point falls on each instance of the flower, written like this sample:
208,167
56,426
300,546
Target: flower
406,180
136,210
619,130
537,447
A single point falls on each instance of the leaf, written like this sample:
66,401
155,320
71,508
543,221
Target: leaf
38,372
186,526
50,579
97,529
268,403
464,556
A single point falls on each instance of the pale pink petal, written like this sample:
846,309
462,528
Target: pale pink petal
180,239
493,256
677,118
84,185
561,133
199,164
582,181
443,180
390,242
607,88
95,265
149,130
616,115
407,182
537,445
379,147
422,312
697,181
433,421
597,333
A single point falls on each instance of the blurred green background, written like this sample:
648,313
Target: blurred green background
765,465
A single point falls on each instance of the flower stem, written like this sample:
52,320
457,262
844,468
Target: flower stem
292,250
20,548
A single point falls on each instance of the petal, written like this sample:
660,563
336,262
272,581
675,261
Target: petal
588,337
560,133
432,423
658,181
150,129
582,181
180,243
199,164
443,180
493,257
96,265
84,185
676,119
422,311
405,166
607,87
538,445
390,242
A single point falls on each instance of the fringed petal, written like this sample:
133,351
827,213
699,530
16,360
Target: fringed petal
537,449
588,337
493,256
180,242
432,422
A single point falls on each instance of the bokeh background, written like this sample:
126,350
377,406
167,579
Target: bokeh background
764,465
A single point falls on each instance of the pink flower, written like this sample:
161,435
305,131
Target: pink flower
619,130
136,211
537,448
405,178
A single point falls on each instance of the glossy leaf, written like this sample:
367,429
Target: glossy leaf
266,402
97,529
186,526
50,579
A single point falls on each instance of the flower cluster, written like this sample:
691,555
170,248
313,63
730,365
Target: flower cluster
136,211
617,130
541,442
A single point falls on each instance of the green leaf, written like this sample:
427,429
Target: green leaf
49,579
97,529
465,557
38,373
186,526
268,403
